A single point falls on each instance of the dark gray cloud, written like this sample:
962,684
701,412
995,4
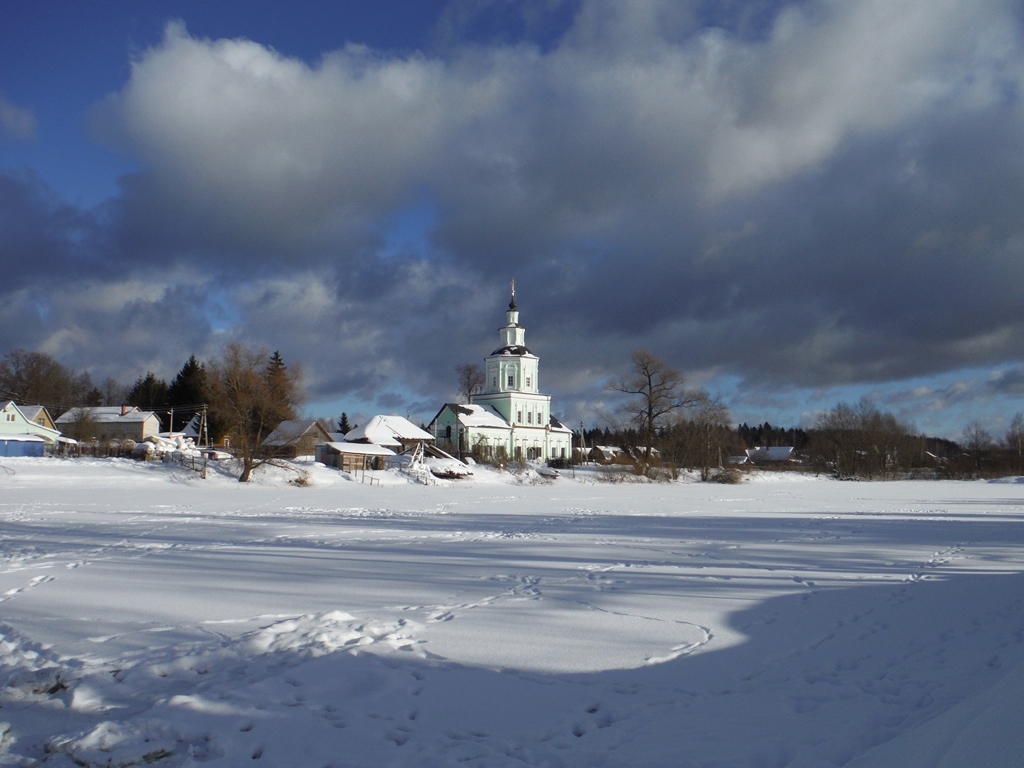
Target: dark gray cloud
811,194
42,235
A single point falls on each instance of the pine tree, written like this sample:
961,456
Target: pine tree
188,392
281,388
148,393
343,425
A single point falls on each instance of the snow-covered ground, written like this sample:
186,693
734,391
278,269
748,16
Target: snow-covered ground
148,616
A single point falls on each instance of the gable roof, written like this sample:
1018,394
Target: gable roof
473,415
289,431
387,430
33,412
557,426
23,425
108,414
773,453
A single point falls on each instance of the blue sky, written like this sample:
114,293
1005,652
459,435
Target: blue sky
793,203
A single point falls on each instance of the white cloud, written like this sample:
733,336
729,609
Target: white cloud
256,141
273,149
835,69
16,122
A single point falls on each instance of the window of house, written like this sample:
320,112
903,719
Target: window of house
494,381
529,417
519,416
527,381
511,379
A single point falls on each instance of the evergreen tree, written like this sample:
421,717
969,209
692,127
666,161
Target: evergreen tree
188,392
148,393
94,398
281,389
343,425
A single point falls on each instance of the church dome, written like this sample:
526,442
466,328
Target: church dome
512,349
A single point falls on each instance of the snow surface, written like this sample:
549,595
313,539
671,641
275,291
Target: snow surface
150,617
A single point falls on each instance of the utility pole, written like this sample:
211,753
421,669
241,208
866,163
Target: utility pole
204,431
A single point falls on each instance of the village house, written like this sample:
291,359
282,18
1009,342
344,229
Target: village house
353,457
510,418
607,454
27,430
296,437
393,432
109,423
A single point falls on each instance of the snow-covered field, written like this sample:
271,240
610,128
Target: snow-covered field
148,616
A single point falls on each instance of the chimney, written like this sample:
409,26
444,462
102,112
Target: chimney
124,409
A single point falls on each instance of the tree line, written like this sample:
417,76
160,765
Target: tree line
246,393
665,424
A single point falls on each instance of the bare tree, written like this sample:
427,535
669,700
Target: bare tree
710,426
977,442
1014,439
658,391
114,392
471,379
251,393
84,426
862,441
35,378
703,438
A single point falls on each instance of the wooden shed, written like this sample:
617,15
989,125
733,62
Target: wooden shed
353,457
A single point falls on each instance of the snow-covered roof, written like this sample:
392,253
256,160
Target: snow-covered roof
110,410
192,428
557,426
289,431
773,453
473,415
31,412
365,449
22,438
512,349
387,430
108,415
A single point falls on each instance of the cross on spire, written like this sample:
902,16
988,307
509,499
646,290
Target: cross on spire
512,304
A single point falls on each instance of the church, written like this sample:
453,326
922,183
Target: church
510,418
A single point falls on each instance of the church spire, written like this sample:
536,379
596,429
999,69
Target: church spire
513,312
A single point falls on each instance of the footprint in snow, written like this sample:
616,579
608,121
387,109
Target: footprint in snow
35,582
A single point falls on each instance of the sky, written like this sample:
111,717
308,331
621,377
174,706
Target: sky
793,203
